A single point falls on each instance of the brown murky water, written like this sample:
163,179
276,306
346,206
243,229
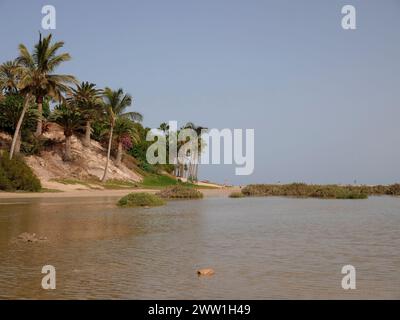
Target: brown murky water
260,248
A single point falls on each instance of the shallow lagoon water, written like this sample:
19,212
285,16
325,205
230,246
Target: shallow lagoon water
260,248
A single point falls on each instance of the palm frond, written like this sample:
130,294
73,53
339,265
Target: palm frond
134,116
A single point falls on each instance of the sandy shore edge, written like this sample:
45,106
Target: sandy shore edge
104,193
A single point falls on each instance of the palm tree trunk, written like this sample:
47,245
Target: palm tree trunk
88,129
196,173
119,154
19,124
39,124
190,171
18,143
108,154
196,165
68,153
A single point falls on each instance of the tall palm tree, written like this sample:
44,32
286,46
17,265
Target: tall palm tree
10,82
36,78
116,103
70,118
124,129
9,78
39,77
88,100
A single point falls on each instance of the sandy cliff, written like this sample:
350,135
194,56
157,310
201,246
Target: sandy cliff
88,163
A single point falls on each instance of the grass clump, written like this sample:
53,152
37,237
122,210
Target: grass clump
236,195
16,175
140,199
180,192
119,184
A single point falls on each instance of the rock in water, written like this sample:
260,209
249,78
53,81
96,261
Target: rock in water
205,272
27,237
30,237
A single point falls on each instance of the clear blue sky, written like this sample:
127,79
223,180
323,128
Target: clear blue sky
324,102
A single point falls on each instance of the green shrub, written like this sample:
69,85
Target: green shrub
336,192
32,145
236,195
15,175
140,199
149,168
180,192
5,183
10,110
353,195
393,190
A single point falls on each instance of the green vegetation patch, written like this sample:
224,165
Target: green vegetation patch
140,199
96,184
119,184
303,190
47,190
180,192
158,181
16,175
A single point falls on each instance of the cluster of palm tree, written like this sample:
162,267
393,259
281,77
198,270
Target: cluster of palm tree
191,169
32,78
189,166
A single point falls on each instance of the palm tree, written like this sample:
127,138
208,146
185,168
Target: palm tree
9,77
70,118
89,101
116,103
10,82
201,145
164,127
27,102
124,129
194,167
38,76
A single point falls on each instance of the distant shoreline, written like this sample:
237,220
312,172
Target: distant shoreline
294,190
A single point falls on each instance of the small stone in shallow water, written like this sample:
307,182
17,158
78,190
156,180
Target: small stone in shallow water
205,272
30,237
